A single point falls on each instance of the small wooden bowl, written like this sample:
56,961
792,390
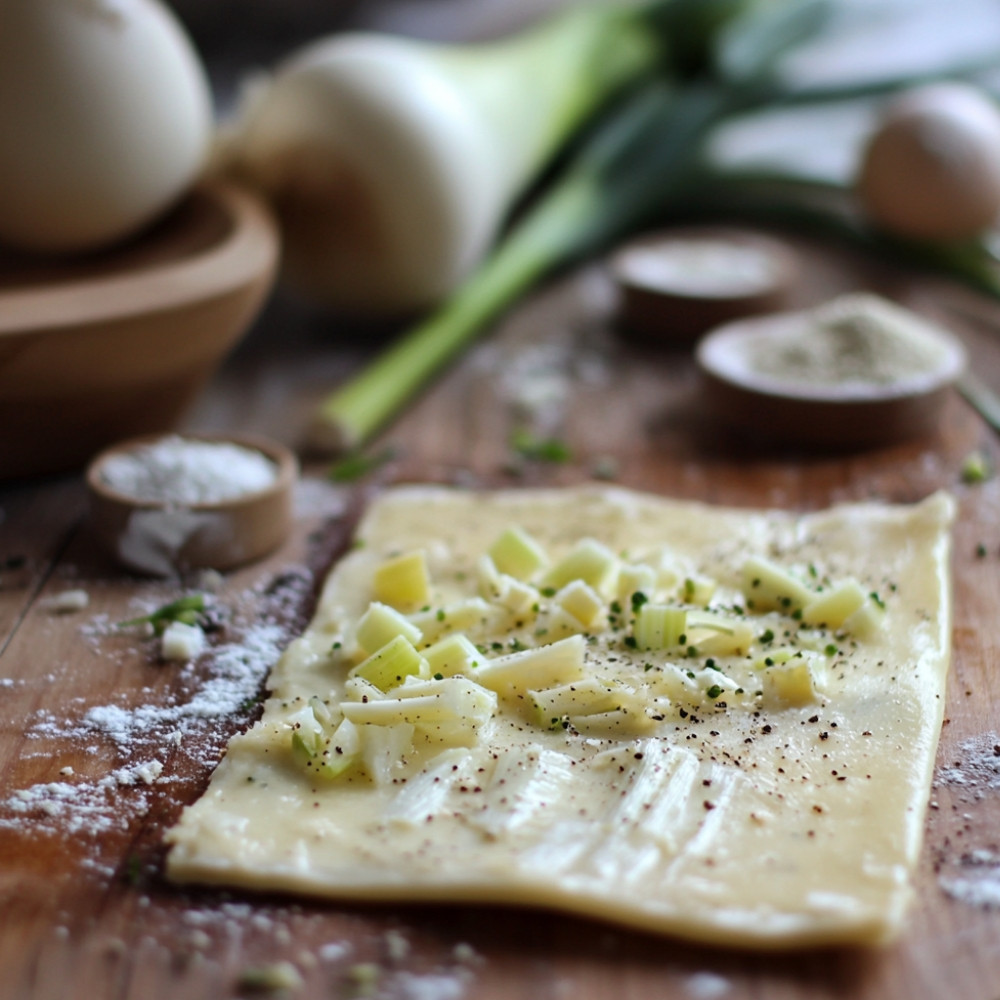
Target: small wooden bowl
104,346
826,417
671,293
164,539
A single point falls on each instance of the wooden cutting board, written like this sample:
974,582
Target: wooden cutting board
88,716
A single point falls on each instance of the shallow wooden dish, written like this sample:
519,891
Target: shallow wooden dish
827,417
161,539
659,305
114,344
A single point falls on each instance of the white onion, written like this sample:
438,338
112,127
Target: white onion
105,119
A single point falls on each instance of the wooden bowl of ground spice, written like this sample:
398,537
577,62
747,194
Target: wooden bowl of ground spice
856,372
164,505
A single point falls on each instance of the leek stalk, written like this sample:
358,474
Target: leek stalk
391,163
646,159
588,207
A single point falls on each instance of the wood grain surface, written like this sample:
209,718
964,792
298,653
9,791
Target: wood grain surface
84,909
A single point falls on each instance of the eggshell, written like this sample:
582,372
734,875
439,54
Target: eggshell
105,119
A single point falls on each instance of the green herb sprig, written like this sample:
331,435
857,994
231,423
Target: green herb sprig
188,610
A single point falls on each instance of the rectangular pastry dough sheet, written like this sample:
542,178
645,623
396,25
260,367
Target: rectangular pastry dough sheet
745,822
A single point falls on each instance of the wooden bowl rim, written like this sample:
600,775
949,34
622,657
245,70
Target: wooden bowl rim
780,253
717,349
248,249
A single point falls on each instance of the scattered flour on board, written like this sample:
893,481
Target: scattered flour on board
980,885
237,671
90,807
225,682
976,771
978,767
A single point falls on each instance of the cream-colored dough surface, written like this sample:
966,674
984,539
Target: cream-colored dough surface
739,819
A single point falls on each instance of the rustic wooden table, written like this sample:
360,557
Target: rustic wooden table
101,745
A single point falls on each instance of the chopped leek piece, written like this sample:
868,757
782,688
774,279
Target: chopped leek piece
467,615
451,709
589,561
833,607
453,655
557,623
795,681
322,712
403,582
504,589
516,673
636,579
517,554
774,657
769,587
717,634
359,689
867,619
619,723
380,624
581,601
317,752
659,626
698,590
583,697
384,750
390,665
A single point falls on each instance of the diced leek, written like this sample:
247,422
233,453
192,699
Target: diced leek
517,597
505,590
769,587
380,624
306,726
384,750
316,752
773,657
833,607
545,666
403,582
619,723
717,634
581,601
698,590
866,620
359,689
584,697
472,614
659,626
451,709
453,655
636,578
557,623
669,573
321,711
517,554
395,661
589,561
794,682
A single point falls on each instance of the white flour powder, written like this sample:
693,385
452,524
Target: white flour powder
186,471
224,683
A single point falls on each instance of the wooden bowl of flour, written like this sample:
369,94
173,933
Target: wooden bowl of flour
102,346
166,504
